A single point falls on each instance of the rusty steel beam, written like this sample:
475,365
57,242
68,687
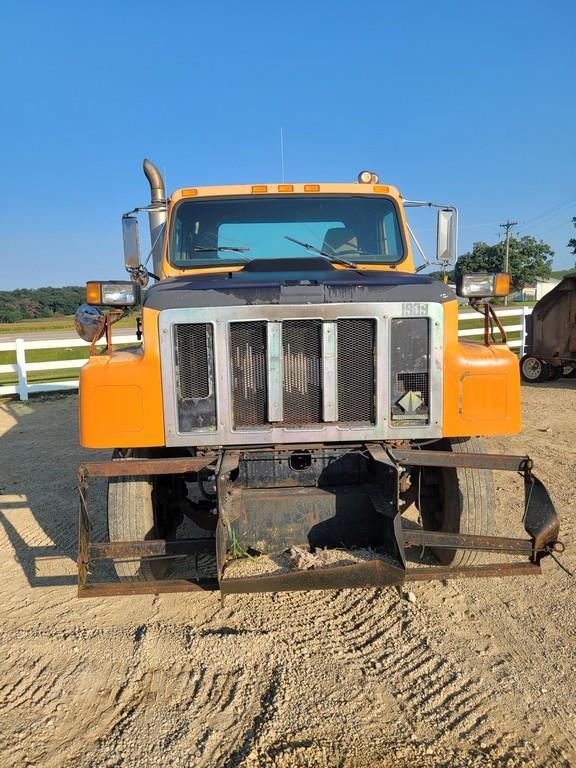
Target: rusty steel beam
117,550
418,537
372,573
473,571
115,589
119,468
448,459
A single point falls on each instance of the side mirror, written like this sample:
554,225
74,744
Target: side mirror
131,239
90,322
446,235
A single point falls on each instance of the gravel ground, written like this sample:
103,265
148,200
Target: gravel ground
461,673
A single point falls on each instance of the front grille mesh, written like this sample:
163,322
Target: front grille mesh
302,371
192,344
356,347
413,382
248,371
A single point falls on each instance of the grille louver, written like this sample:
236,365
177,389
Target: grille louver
356,349
248,371
192,360
302,371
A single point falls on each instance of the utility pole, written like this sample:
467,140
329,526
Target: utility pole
508,226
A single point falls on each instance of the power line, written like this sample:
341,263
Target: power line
552,212
507,226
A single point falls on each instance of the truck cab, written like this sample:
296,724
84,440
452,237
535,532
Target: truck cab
290,341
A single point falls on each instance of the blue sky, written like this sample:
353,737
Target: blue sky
467,103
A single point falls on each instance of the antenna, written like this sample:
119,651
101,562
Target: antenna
282,152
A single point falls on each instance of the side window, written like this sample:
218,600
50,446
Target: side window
178,252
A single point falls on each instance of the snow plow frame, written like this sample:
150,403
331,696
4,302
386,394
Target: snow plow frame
540,522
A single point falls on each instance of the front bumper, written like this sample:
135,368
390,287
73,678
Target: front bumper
540,523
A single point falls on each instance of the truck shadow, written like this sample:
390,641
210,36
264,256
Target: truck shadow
39,457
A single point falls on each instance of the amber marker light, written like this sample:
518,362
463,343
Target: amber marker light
258,189
501,284
189,192
285,188
311,187
94,293
382,189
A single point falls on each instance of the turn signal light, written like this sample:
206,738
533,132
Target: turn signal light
93,293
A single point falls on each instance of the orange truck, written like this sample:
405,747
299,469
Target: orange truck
299,388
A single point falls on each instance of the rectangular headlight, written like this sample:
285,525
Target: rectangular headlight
114,293
482,285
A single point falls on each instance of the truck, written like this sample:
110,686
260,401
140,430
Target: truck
550,349
299,387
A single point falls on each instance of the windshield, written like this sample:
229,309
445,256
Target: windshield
219,232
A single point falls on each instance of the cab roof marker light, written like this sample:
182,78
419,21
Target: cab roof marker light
311,187
259,188
189,192
285,187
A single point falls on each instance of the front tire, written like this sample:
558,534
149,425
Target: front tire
132,517
460,500
533,370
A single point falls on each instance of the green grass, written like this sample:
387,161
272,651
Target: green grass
62,323
560,273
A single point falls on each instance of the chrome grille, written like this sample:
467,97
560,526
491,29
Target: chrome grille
192,365
367,357
248,369
302,371
356,350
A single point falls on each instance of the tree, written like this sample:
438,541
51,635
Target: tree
27,303
529,259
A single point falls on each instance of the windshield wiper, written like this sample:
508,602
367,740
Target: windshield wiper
207,249
325,254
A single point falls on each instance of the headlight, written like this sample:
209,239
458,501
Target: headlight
114,293
482,285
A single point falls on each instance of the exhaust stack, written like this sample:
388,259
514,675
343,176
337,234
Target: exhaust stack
156,216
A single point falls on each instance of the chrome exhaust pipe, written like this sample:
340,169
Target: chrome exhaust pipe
157,214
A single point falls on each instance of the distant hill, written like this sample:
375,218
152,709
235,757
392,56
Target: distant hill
31,303
559,274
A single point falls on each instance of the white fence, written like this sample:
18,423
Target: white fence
520,312
22,367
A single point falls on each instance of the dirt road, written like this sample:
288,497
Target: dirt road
472,673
